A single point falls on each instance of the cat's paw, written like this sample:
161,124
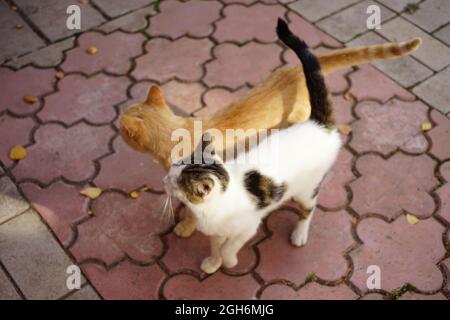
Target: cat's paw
211,264
185,229
230,261
299,236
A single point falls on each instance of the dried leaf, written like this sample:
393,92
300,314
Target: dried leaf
59,75
345,129
83,1
354,220
90,213
17,152
349,96
92,50
19,26
91,192
411,219
30,99
13,8
143,189
426,126
134,195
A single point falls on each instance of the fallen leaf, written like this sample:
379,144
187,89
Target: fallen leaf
411,219
345,129
134,195
17,152
90,213
59,75
143,189
30,99
92,50
349,96
91,192
354,220
13,8
83,1
426,126
19,26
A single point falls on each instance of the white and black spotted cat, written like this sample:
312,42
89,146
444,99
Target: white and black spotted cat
229,199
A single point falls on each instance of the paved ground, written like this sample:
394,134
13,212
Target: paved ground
204,54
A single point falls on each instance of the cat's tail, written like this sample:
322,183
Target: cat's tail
341,58
321,111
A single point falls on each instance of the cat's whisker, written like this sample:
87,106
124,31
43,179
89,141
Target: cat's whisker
167,213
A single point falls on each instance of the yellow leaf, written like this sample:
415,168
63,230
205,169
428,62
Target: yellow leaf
90,213
59,75
17,152
92,50
30,99
134,195
411,219
91,193
426,126
143,189
13,8
345,129
19,26
83,1
354,220
349,96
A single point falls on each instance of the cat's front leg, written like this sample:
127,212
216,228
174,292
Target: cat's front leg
231,248
186,227
212,263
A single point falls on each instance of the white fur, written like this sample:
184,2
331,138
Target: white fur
305,153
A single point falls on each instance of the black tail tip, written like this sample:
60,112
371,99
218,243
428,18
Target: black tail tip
283,29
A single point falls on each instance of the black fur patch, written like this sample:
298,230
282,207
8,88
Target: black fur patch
263,188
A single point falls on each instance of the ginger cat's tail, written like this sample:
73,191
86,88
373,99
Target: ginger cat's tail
347,57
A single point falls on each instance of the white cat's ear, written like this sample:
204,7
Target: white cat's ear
155,97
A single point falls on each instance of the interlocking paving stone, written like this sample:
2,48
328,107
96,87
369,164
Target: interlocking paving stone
417,296
126,281
436,90
405,70
242,24
33,257
440,136
11,202
85,293
114,53
218,98
374,296
444,192
235,66
398,5
443,34
216,287
329,237
50,16
431,14
446,264
389,186
15,41
13,131
351,22
432,52
114,8
386,127
163,61
132,22
7,290
405,253
91,99
315,10
183,96
312,291
172,21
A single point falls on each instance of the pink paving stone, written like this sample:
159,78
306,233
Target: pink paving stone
444,192
163,60
64,152
218,99
192,18
405,253
384,128
333,193
13,131
418,296
216,287
388,187
369,83
374,296
446,265
121,225
342,110
440,136
59,204
92,99
126,281
242,24
17,84
323,255
129,170
183,96
235,66
312,291
114,53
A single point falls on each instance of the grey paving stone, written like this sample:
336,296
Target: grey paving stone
431,14
114,8
7,290
13,41
85,293
443,34
433,53
436,91
405,70
50,56
351,22
50,16
132,22
398,5
33,258
11,202
314,10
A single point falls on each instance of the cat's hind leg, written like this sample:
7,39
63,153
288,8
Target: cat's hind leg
299,236
186,227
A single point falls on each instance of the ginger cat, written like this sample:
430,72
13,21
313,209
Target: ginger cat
278,101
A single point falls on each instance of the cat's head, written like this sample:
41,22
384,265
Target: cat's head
142,123
198,178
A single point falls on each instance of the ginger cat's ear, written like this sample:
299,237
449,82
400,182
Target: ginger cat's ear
133,128
155,97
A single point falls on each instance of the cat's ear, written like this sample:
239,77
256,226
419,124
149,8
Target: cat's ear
132,127
155,97
203,187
